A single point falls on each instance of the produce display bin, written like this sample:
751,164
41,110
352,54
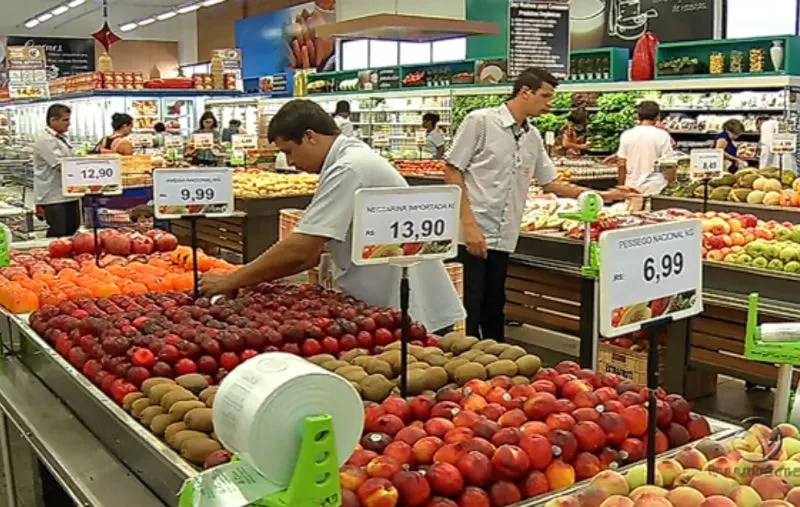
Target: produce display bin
779,213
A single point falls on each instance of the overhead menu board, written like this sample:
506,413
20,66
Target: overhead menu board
27,72
538,36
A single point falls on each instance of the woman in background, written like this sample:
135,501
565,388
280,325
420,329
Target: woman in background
342,118
208,125
434,140
158,138
116,143
569,140
731,130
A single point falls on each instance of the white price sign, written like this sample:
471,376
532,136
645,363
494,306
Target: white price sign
406,225
174,142
783,143
203,141
379,138
91,175
244,142
142,140
193,191
649,273
421,136
706,163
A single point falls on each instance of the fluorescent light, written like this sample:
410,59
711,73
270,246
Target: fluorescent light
209,3
75,3
44,17
188,8
31,23
166,15
146,21
61,9
127,27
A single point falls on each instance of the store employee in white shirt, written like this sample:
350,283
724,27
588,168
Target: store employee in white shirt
434,139
311,141
640,147
61,213
342,118
494,155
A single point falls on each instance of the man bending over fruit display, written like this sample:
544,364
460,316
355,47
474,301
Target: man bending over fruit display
312,142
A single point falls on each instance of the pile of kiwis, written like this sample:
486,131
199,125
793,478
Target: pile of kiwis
453,363
179,411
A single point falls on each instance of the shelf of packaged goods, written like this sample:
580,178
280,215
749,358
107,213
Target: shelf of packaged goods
779,213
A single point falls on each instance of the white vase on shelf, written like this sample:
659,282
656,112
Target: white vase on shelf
776,55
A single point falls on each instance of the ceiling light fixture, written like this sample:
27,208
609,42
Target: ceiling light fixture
147,21
166,15
61,9
127,27
75,3
209,3
44,17
183,9
31,23
188,8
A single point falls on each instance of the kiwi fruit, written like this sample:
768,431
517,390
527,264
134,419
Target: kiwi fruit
210,400
129,398
147,414
483,344
352,354
446,341
452,364
139,405
419,365
172,429
505,367
176,395
355,375
428,393
463,344
395,391
379,367
159,390
332,365
320,359
375,387
182,436
469,371
391,357
159,424
154,381
514,352
207,392
435,377
196,450
192,381
496,349
356,386
435,359
451,385
528,365
346,369
435,350
417,382
519,380
485,359
179,409
199,419
471,354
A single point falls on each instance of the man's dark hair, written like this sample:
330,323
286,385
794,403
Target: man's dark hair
648,110
342,107
141,211
295,117
431,117
533,78
234,123
159,127
56,111
579,116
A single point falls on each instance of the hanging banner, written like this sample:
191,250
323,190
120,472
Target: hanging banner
27,72
538,36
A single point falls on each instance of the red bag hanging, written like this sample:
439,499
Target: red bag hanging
643,65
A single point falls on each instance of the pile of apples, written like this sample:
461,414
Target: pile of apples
761,468
496,443
120,242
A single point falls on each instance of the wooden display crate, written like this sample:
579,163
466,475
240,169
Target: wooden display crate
626,363
543,298
287,221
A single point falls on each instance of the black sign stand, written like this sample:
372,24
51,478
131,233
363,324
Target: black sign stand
193,245
95,225
405,295
654,329
705,194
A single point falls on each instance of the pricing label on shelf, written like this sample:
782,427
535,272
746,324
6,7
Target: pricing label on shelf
173,142
706,163
379,138
406,225
203,141
421,136
649,273
91,175
244,142
783,143
142,140
193,191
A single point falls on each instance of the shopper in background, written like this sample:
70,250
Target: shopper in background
312,142
208,125
116,143
731,130
158,137
768,127
142,217
434,139
61,213
342,118
495,154
640,147
234,127
570,140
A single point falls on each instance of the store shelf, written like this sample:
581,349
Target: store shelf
158,93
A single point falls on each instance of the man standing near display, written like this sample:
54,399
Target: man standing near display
494,155
312,142
640,147
61,213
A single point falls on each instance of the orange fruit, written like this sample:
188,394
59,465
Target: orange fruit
104,290
51,297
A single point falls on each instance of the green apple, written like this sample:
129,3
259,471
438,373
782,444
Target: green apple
796,233
771,251
731,257
743,259
792,267
783,234
788,253
755,248
775,264
759,262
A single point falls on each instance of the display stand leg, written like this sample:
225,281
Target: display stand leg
780,167
405,294
705,194
586,327
95,220
654,328
193,243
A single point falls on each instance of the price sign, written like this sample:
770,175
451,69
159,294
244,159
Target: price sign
706,163
173,142
244,142
549,138
193,191
203,141
421,136
142,140
406,225
379,139
91,175
649,273
783,143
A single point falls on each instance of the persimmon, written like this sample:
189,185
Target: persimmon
51,297
23,301
104,290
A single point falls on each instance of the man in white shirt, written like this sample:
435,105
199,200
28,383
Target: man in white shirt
640,147
494,155
311,141
61,213
342,118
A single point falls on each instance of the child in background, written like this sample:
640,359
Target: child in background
142,217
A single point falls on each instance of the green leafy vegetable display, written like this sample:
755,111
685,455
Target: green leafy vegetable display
549,122
616,114
561,100
463,105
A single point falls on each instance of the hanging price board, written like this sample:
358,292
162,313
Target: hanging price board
379,139
173,142
244,142
649,273
193,191
783,143
421,136
406,224
203,141
91,175
706,163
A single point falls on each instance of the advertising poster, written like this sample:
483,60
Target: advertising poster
285,40
65,56
538,36
27,73
620,23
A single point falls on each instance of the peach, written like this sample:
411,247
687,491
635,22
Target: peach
539,450
350,499
632,449
410,435
677,435
476,468
591,496
544,386
698,427
641,491
476,386
561,380
445,479
606,393
560,421
790,446
400,451
510,462
539,405
637,476
710,483
590,436
438,426
485,428
387,423
684,477
457,435
352,477
512,419
493,411
564,501
722,465
775,503
617,501
448,394
566,443
534,428
615,406
399,407
481,445
789,470
378,492
663,414
614,427
474,402
710,448
670,470
770,487
445,409
383,466
630,398
504,493
534,484
498,395
412,488
744,496
559,475
501,381
689,457
685,497
586,414
680,408
372,411
474,497
662,444
565,406
522,391
573,387
425,448
609,458
787,430
793,497
466,419
361,458
506,436
613,482
440,501
449,453
650,500
635,417
717,501
586,400
586,465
